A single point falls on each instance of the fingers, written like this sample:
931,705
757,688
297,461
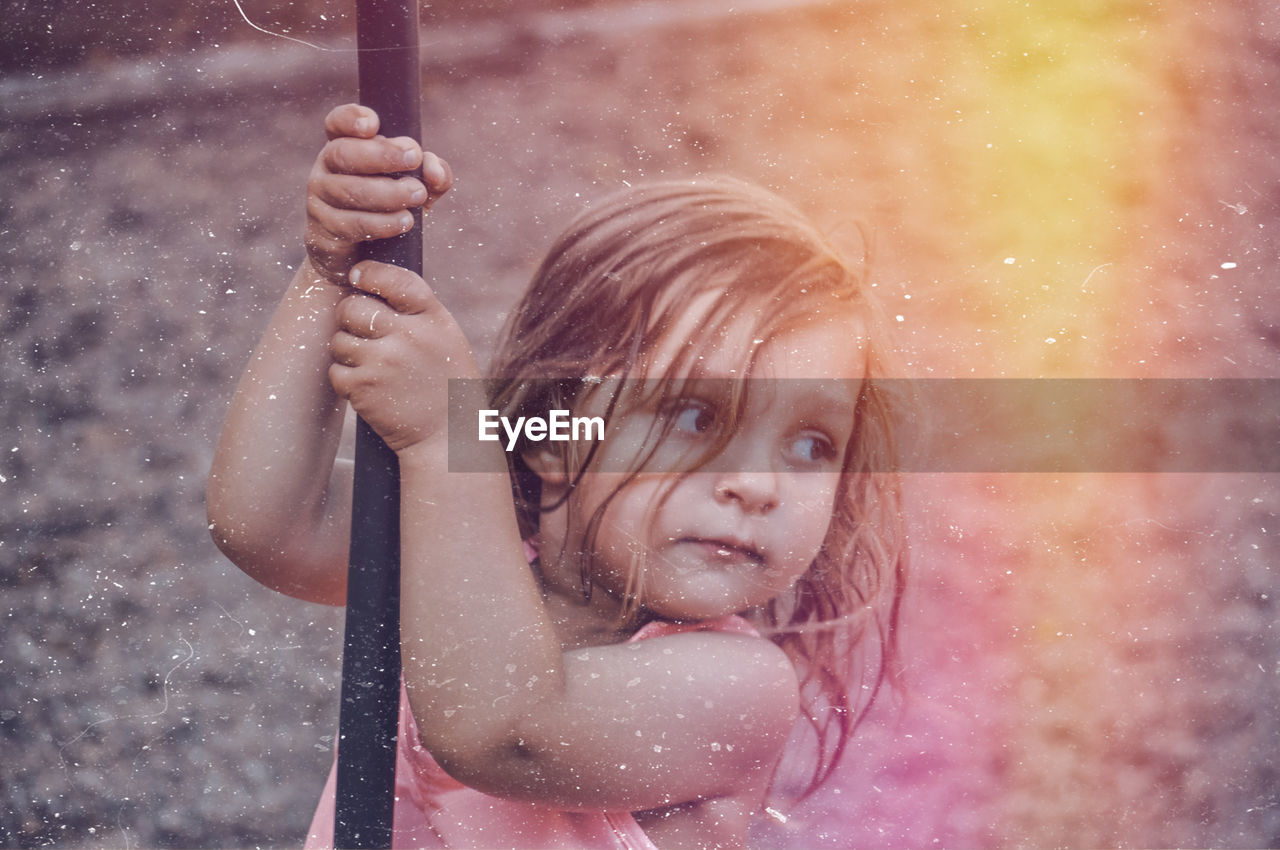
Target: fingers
351,119
365,186
376,155
437,175
372,194
345,380
347,350
400,289
355,148
386,294
336,228
357,174
373,332
363,322
364,317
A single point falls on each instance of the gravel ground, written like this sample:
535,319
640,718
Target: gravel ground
1091,659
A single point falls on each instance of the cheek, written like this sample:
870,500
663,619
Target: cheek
816,498
626,506
811,517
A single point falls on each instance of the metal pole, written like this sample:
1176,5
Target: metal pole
387,38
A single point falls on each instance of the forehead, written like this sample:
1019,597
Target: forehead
812,338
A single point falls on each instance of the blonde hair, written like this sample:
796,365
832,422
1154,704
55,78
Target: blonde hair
611,288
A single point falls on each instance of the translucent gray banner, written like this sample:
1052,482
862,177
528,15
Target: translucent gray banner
966,425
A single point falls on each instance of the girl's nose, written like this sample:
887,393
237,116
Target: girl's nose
755,492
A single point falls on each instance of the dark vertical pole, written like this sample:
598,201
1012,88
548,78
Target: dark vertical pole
387,36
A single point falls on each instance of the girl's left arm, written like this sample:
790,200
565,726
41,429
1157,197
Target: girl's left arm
644,725
693,716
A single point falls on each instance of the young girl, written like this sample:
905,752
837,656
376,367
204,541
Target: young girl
610,646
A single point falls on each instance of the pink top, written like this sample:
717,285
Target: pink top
432,809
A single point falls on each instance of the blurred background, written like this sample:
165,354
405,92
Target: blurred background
1072,189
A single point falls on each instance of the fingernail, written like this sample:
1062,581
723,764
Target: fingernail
363,125
419,195
410,158
354,276
406,221
433,171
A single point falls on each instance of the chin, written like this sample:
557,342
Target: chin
691,608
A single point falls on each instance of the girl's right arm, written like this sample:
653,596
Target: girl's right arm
278,500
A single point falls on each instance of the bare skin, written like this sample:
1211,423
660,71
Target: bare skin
268,509
519,689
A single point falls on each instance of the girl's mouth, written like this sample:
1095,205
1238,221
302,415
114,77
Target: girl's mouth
726,550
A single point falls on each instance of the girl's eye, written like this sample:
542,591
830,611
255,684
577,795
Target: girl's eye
693,417
813,448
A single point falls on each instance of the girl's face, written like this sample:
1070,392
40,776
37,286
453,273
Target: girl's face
741,530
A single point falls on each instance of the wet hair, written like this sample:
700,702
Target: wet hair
608,293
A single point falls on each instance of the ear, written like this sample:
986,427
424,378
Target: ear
548,465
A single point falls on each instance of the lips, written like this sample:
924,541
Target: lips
726,549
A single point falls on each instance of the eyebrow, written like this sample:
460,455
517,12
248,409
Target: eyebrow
833,395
